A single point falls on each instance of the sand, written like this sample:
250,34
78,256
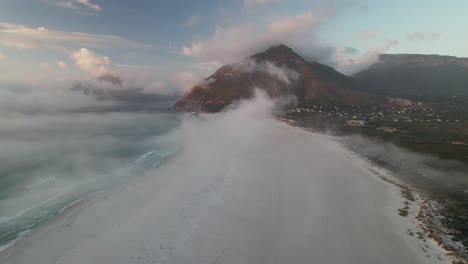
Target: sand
275,195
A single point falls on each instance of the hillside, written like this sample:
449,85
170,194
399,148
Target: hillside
278,71
416,75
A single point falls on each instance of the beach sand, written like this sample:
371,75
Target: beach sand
274,194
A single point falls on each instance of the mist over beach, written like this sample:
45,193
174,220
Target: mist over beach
53,156
241,181
233,131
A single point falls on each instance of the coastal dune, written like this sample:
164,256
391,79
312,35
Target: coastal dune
245,188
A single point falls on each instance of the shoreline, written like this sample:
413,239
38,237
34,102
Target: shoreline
71,208
421,207
66,219
418,206
408,202
66,214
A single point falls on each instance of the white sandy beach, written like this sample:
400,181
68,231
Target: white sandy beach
267,194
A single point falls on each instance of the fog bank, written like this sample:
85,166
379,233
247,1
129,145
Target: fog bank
425,172
245,188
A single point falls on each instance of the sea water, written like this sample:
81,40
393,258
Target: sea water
51,161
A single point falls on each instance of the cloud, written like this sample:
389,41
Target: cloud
58,64
416,36
186,80
193,21
276,80
232,130
208,65
351,50
111,82
424,171
69,154
292,25
2,56
252,4
421,36
22,37
359,63
79,5
280,73
228,44
95,64
45,65
366,35
62,64
434,36
316,51
50,98
116,93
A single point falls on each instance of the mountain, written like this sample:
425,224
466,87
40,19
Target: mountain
278,71
416,75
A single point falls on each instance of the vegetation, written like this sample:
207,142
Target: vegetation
440,132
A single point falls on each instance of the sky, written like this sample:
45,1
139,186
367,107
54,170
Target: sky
164,46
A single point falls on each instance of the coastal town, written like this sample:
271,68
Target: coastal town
363,115
431,128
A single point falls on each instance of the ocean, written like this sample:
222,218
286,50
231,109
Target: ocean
49,161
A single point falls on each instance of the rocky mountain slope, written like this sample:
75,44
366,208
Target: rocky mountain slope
278,71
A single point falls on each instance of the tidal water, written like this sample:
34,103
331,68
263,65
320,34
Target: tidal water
51,161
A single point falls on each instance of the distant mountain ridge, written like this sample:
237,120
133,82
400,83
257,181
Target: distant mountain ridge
416,75
422,60
313,83
393,75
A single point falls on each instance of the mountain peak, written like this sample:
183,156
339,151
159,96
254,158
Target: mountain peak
312,84
280,54
279,48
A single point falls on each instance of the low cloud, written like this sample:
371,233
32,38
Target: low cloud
323,53
45,65
231,130
283,74
49,155
108,82
62,64
27,99
416,36
208,65
67,155
92,63
422,171
423,36
351,50
115,93
186,80
2,56
82,96
359,63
